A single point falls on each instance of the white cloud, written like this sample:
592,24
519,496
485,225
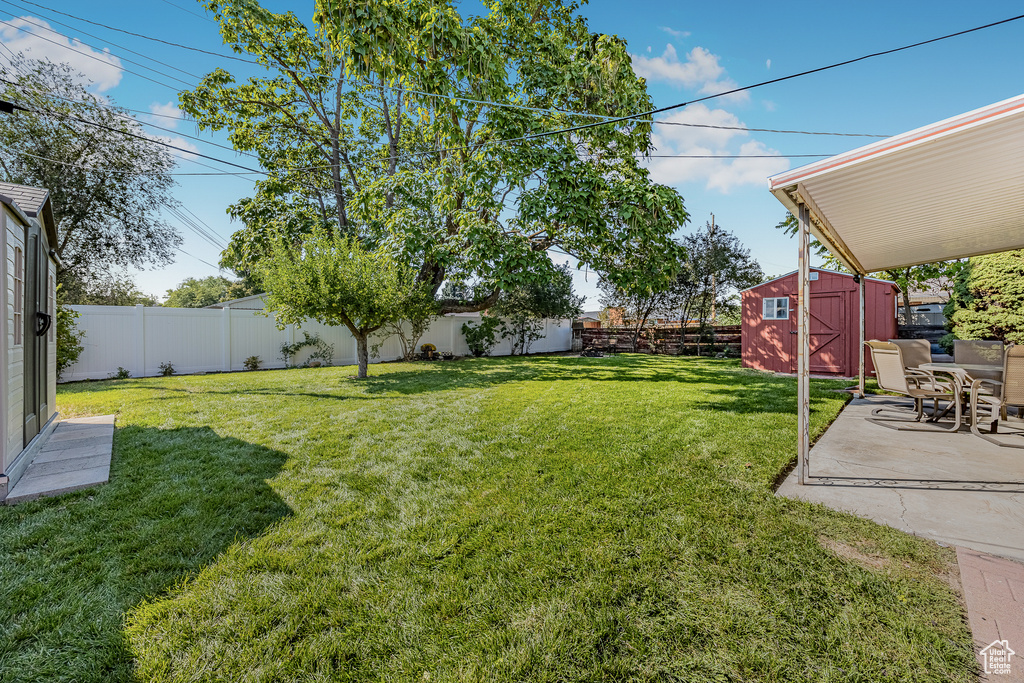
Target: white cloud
178,141
699,70
674,33
162,112
768,64
723,175
32,37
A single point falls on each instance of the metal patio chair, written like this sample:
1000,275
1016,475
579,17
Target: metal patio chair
997,396
915,351
892,374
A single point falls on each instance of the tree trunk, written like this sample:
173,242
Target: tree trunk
362,354
907,319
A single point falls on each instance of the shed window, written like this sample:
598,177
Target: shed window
776,309
19,295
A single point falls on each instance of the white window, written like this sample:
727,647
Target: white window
776,309
19,295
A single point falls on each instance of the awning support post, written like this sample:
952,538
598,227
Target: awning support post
803,342
860,347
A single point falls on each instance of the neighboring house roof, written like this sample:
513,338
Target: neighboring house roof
254,301
34,202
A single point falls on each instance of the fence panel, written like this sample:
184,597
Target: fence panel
195,340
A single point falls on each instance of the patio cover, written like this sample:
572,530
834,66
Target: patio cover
949,190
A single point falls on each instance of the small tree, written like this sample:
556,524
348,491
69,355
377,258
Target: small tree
337,280
69,338
420,312
988,299
481,338
523,309
110,289
639,297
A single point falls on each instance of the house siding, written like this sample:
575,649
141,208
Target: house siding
13,412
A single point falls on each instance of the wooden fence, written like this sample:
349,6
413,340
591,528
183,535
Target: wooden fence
667,340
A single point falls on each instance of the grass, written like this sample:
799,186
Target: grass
542,519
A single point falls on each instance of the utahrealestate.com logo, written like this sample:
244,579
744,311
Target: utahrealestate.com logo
997,657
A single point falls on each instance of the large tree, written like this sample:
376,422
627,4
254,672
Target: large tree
988,299
107,181
410,124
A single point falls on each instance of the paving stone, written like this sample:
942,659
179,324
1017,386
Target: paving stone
994,611
39,469
75,456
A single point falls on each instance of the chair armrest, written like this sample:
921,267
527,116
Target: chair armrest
976,384
915,376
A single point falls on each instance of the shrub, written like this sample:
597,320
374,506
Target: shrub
69,338
120,374
481,338
322,351
252,363
167,369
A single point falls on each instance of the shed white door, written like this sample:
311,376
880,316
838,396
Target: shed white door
37,322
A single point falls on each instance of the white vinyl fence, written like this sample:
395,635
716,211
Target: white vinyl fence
196,340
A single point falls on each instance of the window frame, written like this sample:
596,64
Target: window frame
18,310
775,307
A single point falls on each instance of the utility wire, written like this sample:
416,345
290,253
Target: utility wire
184,9
242,174
130,134
93,35
140,35
459,96
102,61
671,107
198,259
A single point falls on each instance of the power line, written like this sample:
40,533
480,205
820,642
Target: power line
140,35
184,9
92,35
660,110
133,135
314,168
95,58
198,259
459,97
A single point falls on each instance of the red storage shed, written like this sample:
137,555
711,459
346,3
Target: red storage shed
769,322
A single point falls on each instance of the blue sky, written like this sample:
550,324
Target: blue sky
685,50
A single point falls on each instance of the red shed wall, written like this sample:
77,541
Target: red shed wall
771,344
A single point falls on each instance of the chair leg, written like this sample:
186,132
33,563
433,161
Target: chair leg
896,424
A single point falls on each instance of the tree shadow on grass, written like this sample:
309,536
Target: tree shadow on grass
725,386
72,566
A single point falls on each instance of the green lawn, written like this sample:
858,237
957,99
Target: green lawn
538,519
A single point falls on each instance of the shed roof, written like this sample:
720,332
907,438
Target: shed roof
816,270
34,202
948,190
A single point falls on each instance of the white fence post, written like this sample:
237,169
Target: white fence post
208,340
140,341
227,338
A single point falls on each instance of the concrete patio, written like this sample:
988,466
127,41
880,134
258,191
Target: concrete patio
952,488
